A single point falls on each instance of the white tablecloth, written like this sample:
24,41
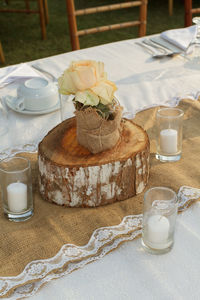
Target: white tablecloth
141,82
128,272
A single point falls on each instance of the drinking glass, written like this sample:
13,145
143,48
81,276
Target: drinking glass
169,134
16,188
159,218
192,53
66,106
3,119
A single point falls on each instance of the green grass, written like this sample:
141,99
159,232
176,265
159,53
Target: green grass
21,37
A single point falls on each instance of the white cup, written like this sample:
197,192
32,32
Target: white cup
36,94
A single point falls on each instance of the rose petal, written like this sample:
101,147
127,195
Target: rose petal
105,90
84,78
87,98
66,85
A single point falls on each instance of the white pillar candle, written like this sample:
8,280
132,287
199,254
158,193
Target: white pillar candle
17,196
158,232
168,140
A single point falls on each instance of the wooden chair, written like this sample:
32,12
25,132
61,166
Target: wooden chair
73,13
189,11
170,7
2,58
42,10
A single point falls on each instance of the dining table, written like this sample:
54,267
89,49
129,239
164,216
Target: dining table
117,267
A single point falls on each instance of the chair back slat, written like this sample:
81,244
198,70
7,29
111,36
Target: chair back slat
108,27
73,14
104,8
196,10
7,10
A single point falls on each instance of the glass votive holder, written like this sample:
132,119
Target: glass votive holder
159,218
3,119
169,134
66,106
16,188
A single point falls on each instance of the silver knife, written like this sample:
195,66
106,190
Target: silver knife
45,73
154,53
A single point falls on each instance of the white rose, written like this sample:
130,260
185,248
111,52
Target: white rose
81,75
87,97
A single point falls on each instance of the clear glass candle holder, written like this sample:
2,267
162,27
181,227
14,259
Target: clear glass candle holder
169,134
16,188
66,106
3,119
159,218
192,53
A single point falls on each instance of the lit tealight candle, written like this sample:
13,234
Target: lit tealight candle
168,141
17,196
157,232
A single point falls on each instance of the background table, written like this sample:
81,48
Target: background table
128,272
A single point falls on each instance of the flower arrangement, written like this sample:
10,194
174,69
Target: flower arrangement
98,113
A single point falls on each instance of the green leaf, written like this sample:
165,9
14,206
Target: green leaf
105,111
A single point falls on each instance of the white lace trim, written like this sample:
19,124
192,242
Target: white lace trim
173,102
72,257
31,148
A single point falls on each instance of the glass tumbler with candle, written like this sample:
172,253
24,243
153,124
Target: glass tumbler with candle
159,218
169,134
16,188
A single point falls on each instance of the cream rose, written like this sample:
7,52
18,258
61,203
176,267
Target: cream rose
105,90
81,75
87,97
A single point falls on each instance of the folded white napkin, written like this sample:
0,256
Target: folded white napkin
180,37
14,73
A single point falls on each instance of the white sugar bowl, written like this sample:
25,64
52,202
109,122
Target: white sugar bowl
36,94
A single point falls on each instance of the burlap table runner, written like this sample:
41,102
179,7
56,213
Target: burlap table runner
52,226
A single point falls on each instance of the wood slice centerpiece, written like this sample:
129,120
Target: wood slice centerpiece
70,175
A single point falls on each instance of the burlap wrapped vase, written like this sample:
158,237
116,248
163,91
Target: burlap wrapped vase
96,133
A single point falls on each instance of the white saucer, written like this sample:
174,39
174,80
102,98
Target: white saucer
10,102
